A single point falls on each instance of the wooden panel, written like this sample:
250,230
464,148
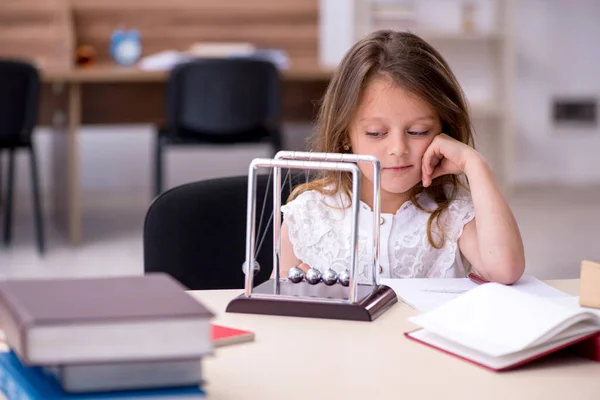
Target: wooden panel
37,30
291,25
300,100
123,103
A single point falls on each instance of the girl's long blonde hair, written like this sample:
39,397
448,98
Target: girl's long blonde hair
417,67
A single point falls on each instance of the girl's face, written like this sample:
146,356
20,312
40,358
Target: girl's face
396,127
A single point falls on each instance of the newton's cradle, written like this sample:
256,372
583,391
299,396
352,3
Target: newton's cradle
317,294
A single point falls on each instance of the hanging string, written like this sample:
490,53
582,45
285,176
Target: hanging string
264,235
306,171
262,211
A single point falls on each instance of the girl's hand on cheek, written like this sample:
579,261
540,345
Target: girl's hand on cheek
445,156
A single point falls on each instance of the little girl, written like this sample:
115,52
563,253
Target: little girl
394,97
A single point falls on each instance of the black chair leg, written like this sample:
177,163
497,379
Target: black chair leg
9,197
37,203
158,165
1,188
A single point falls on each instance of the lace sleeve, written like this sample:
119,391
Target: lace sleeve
460,212
453,220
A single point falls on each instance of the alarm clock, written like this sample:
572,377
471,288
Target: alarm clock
125,46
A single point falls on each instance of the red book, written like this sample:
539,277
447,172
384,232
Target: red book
225,336
589,348
221,336
584,346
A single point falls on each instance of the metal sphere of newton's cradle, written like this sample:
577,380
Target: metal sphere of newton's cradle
295,275
313,276
344,277
295,296
256,267
329,277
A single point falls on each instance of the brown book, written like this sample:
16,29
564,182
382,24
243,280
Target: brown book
88,320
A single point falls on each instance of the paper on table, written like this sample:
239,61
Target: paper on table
163,60
426,294
531,284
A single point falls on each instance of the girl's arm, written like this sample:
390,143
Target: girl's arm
491,241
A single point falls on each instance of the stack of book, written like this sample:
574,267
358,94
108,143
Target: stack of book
103,338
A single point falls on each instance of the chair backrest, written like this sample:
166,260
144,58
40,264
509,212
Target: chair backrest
197,232
224,96
19,97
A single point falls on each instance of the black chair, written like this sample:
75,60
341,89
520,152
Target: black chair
19,99
220,101
197,232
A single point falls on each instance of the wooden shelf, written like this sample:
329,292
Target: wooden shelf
108,72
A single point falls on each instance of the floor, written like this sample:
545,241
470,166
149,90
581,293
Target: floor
559,227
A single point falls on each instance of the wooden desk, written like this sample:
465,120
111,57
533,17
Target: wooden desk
299,358
109,94
110,73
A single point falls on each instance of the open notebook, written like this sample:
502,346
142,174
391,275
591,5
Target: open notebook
500,328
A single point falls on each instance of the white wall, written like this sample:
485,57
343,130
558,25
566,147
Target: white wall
336,30
557,55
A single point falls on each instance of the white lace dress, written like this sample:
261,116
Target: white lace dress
320,228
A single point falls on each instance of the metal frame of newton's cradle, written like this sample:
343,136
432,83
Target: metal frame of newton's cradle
359,302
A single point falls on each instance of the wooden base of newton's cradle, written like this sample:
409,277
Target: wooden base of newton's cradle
304,301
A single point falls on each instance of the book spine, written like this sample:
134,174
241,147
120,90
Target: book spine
12,387
13,326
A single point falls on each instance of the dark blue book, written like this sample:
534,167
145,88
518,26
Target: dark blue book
21,382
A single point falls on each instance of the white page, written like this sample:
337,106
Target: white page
532,285
573,301
427,294
496,320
